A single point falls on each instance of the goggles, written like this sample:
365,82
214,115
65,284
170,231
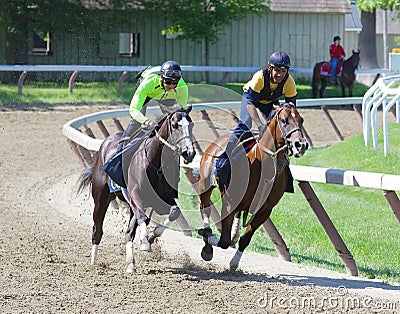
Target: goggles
168,81
280,65
172,74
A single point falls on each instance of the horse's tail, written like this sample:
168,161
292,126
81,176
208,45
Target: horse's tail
85,179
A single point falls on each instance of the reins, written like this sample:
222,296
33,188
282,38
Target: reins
173,147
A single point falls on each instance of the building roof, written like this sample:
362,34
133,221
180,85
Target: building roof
311,6
353,20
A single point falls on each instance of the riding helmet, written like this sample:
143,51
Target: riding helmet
279,59
336,38
171,71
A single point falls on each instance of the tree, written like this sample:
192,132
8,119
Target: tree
20,17
367,39
198,20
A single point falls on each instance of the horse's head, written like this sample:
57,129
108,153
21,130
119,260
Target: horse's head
355,59
180,135
290,125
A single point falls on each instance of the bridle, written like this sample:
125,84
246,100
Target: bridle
285,135
174,145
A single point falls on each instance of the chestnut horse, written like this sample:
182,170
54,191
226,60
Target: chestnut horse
258,181
346,79
152,177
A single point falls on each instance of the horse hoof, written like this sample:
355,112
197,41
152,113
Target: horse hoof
233,267
130,268
205,233
152,238
207,252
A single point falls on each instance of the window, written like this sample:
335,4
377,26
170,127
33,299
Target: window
41,43
129,44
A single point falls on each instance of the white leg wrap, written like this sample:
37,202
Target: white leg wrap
206,221
145,245
234,263
158,231
129,252
235,230
95,249
143,231
213,240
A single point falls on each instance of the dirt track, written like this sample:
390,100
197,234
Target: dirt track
45,246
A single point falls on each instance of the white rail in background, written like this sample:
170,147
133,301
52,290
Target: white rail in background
380,94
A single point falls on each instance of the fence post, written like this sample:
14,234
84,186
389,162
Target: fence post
329,228
21,81
71,82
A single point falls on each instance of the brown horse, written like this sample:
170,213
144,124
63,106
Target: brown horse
258,181
152,178
346,78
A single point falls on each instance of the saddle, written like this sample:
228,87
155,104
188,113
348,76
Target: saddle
327,67
248,143
114,167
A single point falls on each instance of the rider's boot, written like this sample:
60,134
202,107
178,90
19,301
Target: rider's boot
129,132
228,158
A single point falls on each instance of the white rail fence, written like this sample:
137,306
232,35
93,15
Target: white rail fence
75,69
83,143
384,93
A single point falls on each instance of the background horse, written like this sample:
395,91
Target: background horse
152,180
266,169
346,79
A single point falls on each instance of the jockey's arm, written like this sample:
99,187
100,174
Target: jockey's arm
291,100
138,101
182,93
254,115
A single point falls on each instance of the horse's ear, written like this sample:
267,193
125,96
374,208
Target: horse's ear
188,108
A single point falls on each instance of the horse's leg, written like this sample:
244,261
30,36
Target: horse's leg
261,216
136,203
205,211
351,89
324,83
174,213
235,229
129,237
343,87
101,201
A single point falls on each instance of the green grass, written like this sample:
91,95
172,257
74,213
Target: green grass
50,93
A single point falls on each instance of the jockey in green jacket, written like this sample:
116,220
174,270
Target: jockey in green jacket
165,85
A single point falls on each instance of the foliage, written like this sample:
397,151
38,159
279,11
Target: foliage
68,16
370,5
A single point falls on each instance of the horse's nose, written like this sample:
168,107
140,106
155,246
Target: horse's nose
300,148
188,156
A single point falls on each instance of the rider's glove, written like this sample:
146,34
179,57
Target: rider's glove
148,124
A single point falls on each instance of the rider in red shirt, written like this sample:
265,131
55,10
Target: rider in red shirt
337,54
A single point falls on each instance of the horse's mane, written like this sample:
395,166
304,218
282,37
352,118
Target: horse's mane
165,117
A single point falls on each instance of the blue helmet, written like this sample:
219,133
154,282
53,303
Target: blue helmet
171,70
279,59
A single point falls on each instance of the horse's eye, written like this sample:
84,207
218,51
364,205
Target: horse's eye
175,125
285,121
301,121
